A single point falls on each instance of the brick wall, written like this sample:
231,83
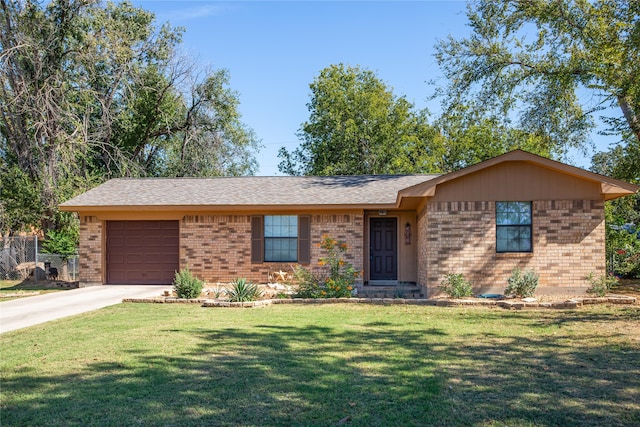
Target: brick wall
348,228
568,244
90,251
217,248
422,238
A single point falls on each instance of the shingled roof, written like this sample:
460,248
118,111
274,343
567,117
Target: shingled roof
372,190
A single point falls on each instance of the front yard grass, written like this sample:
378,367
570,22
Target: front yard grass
137,364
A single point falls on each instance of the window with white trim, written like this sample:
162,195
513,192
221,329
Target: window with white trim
513,227
280,238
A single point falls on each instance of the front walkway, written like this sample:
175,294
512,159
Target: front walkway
29,311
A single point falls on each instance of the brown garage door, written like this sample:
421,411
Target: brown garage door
142,252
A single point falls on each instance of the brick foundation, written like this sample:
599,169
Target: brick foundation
460,237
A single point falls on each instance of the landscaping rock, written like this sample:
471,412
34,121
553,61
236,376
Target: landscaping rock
19,294
512,304
621,300
594,300
572,304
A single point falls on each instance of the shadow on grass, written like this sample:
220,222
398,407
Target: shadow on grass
627,287
372,374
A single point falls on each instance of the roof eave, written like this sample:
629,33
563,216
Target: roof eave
225,208
611,192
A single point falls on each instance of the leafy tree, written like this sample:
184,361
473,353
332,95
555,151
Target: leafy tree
622,215
358,126
467,139
61,243
19,201
529,60
623,236
213,140
92,91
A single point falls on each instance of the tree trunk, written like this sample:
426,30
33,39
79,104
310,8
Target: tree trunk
630,115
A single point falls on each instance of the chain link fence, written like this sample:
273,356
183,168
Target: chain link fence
21,259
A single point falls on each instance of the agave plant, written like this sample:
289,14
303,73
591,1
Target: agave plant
242,291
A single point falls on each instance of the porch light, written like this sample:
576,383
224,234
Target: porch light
407,234
382,212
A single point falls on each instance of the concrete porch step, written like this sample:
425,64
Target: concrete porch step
397,291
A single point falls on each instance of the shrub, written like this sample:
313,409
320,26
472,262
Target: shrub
623,238
217,291
398,294
243,291
63,243
187,285
307,284
626,262
342,275
522,285
338,283
600,285
456,286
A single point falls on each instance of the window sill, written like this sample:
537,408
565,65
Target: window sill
503,255
280,262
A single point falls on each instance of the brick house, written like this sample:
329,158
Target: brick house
515,210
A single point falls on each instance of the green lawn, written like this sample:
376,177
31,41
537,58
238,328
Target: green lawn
11,289
136,364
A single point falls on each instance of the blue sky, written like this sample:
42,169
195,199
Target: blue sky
274,50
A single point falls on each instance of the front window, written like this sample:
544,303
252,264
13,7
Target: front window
513,227
280,238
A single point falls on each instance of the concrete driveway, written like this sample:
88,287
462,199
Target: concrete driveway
28,311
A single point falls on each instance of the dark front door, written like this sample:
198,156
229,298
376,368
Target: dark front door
384,249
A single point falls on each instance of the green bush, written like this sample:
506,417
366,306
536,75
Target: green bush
456,286
626,262
338,283
243,291
600,285
187,285
61,243
342,275
522,285
623,237
306,283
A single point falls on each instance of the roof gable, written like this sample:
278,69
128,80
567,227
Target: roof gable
610,188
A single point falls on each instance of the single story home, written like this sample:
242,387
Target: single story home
515,210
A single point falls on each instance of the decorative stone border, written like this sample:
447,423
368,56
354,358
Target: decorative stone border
511,305
19,294
167,300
